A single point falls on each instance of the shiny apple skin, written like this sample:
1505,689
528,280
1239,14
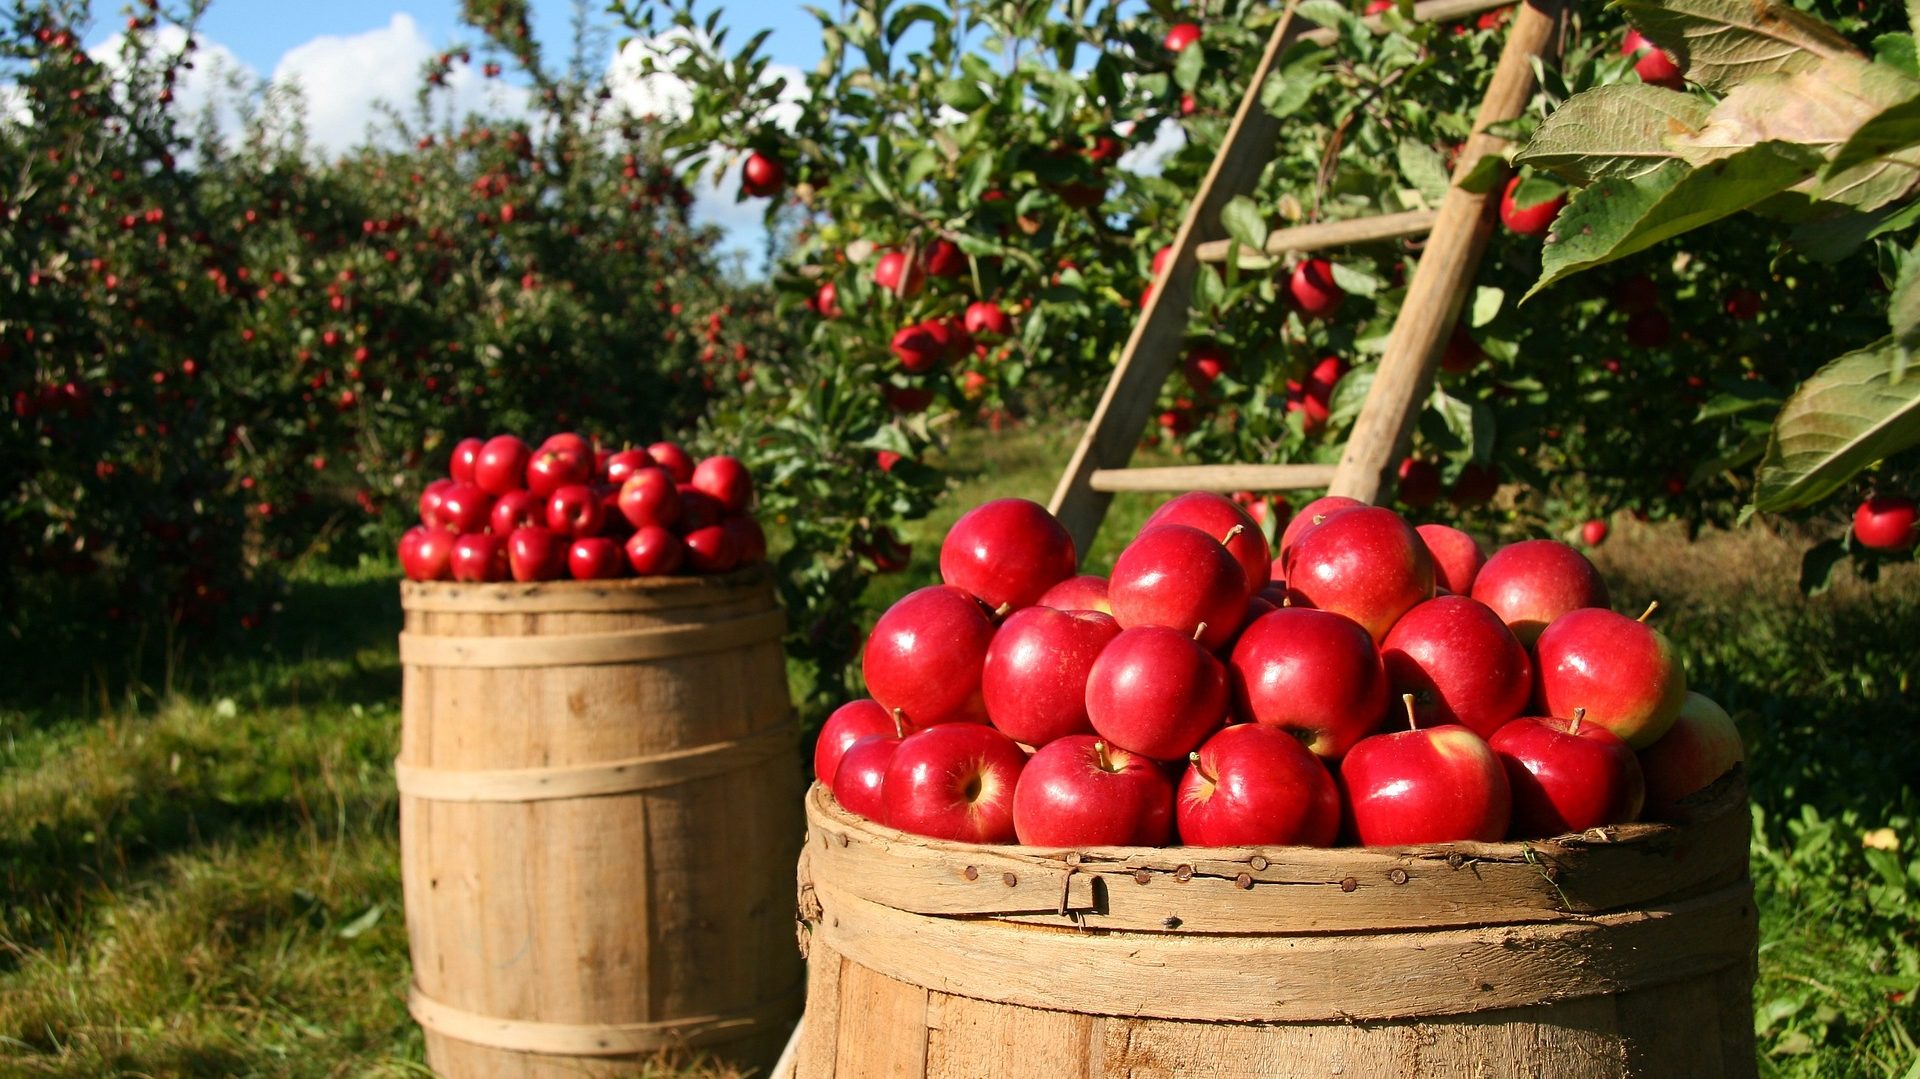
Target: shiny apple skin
1266,789
1310,515
1566,780
1034,680
860,779
1087,592
1702,745
516,510
1181,578
848,724
1007,552
465,453
1218,516
677,462
536,554
479,557
1531,583
1366,563
1432,785
649,497
1457,557
501,465
1313,674
1066,798
1623,672
1156,692
727,480
1460,662
956,782
926,654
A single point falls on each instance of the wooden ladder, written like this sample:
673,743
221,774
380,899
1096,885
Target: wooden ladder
1457,235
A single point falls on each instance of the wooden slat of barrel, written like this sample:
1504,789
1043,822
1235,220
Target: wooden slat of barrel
592,838
1646,973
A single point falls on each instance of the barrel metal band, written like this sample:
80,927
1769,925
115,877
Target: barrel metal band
591,649
595,1039
596,780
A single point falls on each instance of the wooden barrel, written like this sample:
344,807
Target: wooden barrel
599,794
1625,951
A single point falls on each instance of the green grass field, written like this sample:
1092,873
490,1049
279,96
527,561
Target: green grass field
204,881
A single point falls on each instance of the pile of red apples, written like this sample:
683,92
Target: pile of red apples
1372,683
569,509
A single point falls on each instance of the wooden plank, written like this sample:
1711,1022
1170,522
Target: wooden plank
968,1037
1359,230
883,1030
1213,478
1155,343
1445,274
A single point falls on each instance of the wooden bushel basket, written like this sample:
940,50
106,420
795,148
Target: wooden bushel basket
1625,951
598,785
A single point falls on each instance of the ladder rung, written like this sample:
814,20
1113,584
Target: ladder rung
1359,230
1213,478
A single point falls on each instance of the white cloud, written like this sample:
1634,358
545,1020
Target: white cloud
216,77
1150,159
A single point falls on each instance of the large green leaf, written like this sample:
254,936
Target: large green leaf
1614,218
1620,130
1723,43
1847,416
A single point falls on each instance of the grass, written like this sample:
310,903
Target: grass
204,881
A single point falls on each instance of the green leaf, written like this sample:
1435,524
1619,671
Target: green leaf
1188,69
1734,403
366,920
1353,281
1485,175
1848,415
1622,130
1897,51
1423,168
1486,305
1535,190
1747,452
1817,566
1349,394
1895,128
1903,315
1723,43
1841,232
1295,77
1615,218
962,94
1242,220
913,13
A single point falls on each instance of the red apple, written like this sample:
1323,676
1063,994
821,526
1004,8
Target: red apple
1623,672
1160,260
1314,674
1700,747
1419,485
1886,523
1310,515
986,319
572,442
613,524
897,275
675,460
555,467
653,551
465,508
1594,532
595,558
749,542
1459,663
1426,785
943,258
426,554
955,782
1462,353
1219,517
712,550
1532,220
918,347
431,501
727,480
1457,557
826,302
698,509
1476,485
1654,66
1034,680
1313,289
1080,792
1182,578
762,176
479,556
465,453
1251,785
576,511
848,724
1531,583
501,465
1204,365
1155,691
859,780
624,464
1567,776
1181,35
1087,592
536,554
649,497
517,509
1007,553
925,657
1366,563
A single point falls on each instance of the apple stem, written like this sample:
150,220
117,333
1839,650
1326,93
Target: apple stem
899,723
1100,754
1648,613
1193,758
1002,610
1198,630
1578,715
1413,722
1231,533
